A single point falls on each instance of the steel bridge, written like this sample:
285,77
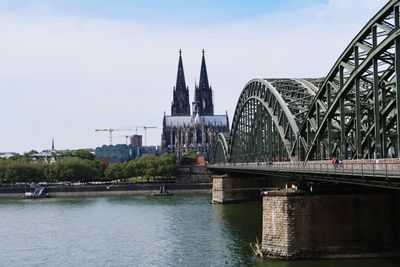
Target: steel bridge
351,114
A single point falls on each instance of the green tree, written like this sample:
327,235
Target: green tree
84,154
3,167
19,171
28,155
74,170
166,165
115,171
17,157
131,169
148,167
140,166
189,158
40,171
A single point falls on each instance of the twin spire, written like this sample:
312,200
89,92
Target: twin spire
180,104
203,102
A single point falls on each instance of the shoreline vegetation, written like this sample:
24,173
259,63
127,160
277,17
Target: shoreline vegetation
84,169
82,175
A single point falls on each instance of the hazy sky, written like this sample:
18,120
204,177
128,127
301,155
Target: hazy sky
70,66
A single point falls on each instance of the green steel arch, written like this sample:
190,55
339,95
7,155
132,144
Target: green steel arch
221,154
267,119
360,97
351,114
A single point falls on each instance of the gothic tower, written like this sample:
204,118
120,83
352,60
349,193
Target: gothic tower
180,104
203,93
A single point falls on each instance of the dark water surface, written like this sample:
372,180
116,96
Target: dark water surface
182,230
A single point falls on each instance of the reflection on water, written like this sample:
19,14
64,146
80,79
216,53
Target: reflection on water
136,231
332,263
242,223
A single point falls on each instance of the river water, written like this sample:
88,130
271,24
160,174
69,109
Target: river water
182,230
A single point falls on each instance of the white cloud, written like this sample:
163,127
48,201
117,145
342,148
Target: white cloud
64,77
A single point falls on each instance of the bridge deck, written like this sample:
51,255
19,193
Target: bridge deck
368,174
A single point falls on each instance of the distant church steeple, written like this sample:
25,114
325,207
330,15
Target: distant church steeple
180,104
203,93
52,144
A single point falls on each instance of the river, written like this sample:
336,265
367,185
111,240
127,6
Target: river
182,230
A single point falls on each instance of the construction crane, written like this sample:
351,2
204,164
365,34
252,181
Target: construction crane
127,129
126,137
145,133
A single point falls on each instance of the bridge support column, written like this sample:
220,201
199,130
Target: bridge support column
230,189
305,225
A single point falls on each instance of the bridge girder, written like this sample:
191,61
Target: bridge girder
360,95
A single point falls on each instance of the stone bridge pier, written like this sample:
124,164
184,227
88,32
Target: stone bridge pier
300,224
235,188
317,219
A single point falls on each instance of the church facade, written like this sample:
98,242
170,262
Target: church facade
183,130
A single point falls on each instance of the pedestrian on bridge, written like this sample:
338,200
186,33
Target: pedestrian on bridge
335,162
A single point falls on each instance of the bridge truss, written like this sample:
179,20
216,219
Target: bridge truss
351,114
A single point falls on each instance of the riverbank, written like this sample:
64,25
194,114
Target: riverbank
111,190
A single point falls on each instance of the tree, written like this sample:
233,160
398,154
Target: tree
131,169
74,169
19,171
29,154
16,157
84,154
189,158
115,171
166,165
147,167
40,171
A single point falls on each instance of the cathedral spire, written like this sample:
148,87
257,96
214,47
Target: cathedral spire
203,73
180,104
203,92
180,78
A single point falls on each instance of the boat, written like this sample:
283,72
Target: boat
36,191
162,192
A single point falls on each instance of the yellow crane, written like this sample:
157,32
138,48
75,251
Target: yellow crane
127,129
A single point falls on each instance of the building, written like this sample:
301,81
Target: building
123,153
183,131
136,140
116,153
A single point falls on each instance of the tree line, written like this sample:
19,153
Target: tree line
83,168
147,167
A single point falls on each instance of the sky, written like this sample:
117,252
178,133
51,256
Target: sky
68,67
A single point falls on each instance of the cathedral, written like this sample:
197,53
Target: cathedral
184,130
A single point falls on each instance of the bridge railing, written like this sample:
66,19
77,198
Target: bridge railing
376,169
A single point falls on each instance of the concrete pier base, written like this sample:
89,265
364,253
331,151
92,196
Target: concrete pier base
303,225
233,189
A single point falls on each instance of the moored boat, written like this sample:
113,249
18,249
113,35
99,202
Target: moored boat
162,192
36,191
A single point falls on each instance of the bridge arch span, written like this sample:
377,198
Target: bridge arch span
360,96
350,114
267,117
221,153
